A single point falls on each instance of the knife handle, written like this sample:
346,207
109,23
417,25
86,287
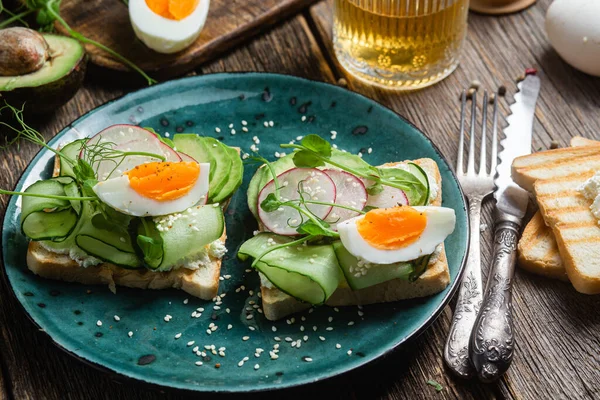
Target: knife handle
492,340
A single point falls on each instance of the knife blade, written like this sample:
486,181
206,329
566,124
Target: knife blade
491,346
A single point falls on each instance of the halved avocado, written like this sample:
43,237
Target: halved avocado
52,85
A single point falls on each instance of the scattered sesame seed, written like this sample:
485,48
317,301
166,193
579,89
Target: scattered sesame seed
349,352
336,309
360,313
233,131
178,336
277,339
244,122
218,130
350,323
241,363
196,349
369,150
249,316
216,308
256,366
308,359
190,343
186,301
130,334
99,323
271,123
338,346
274,328
245,338
266,124
200,309
227,310
288,339
230,126
330,319
305,338
315,328
117,318
198,363
329,328
303,119
322,338
303,318
301,328
251,328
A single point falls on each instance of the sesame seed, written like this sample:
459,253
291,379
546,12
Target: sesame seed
330,319
256,366
350,323
216,308
130,334
266,124
329,328
277,339
229,326
99,323
218,130
302,328
251,328
198,363
321,338
245,338
303,318
274,328
249,316
117,318
178,336
315,328
230,126
307,359
360,313
305,338
244,122
303,118
200,309
370,150
241,363
288,339
227,310
185,301
338,346
336,309
190,343
349,352
196,349
233,131
271,123
244,129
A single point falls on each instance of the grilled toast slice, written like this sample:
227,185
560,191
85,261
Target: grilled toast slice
567,212
579,141
277,304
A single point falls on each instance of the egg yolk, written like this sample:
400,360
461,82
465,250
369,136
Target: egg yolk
173,9
391,228
163,181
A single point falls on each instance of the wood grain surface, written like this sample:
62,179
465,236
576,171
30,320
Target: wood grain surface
229,23
558,330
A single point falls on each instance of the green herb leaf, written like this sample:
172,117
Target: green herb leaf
317,144
151,248
88,188
311,228
435,384
307,159
270,203
84,171
375,189
369,208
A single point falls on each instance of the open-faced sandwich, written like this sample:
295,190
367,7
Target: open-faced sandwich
127,207
335,230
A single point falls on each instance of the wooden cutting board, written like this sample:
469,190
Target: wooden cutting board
229,22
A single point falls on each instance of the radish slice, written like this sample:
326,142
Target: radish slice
126,138
350,191
388,198
316,185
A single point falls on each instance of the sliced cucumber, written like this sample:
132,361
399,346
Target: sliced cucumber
195,147
71,151
307,273
183,238
49,219
421,175
234,180
375,273
222,169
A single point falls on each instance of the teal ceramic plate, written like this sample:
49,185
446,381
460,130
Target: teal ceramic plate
277,109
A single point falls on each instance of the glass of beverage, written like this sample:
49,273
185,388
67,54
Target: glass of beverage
399,44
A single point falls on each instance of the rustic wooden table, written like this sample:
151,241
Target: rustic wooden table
558,329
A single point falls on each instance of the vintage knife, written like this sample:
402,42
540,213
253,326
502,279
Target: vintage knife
492,340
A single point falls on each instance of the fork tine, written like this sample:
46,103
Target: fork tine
461,140
494,160
482,158
471,161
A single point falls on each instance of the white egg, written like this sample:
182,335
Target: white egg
166,35
440,224
573,28
118,194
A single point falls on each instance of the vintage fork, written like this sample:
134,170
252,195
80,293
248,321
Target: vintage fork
476,186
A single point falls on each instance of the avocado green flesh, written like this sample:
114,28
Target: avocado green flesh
65,53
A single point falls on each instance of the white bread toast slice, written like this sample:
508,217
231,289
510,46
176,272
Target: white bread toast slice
202,282
579,141
567,212
554,164
276,304
538,251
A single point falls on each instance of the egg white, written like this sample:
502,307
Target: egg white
165,35
440,224
118,194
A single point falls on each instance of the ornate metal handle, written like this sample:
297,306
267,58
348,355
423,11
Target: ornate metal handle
492,340
456,351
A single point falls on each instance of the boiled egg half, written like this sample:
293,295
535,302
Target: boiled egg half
168,26
156,188
390,235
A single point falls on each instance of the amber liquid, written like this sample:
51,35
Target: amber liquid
401,44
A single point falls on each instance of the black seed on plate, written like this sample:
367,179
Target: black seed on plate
370,109
164,122
267,96
279,373
77,312
41,305
333,104
179,129
189,123
99,334
304,107
207,359
54,293
147,359
360,130
293,101
311,118
363,150
259,116
79,323
242,96
360,354
221,138
140,109
28,294
214,316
